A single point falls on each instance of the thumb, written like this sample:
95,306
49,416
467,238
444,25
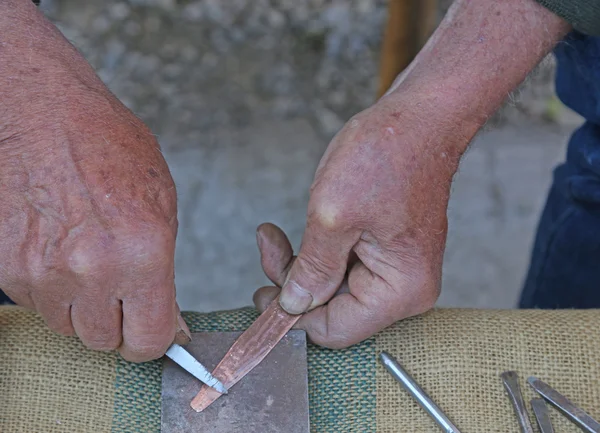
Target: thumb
319,269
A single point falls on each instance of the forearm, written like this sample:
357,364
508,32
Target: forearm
37,66
26,36
481,51
32,47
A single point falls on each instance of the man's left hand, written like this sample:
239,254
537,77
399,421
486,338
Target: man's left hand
376,225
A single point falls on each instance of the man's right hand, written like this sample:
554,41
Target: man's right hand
88,215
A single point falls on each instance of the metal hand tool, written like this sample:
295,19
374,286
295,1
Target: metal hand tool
540,410
417,393
186,361
192,366
511,383
574,413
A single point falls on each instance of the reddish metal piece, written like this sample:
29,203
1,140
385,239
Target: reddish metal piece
248,351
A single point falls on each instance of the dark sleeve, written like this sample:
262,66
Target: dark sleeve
583,15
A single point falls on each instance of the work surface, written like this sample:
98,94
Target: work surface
53,384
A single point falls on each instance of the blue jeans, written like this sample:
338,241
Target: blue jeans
565,262
4,299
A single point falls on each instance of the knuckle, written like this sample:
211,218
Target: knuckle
82,259
326,213
152,247
149,248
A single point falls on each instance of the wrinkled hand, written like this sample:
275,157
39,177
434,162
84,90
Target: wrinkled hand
88,214
376,226
377,209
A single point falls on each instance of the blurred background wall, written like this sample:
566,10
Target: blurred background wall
244,96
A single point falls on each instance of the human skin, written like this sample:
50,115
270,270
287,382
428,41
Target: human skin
88,212
88,216
376,227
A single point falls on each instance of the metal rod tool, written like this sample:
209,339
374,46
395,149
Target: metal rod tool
511,384
574,413
540,410
417,393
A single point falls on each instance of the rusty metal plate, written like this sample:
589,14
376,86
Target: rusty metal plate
272,398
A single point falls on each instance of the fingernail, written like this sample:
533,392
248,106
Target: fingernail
184,327
294,299
183,334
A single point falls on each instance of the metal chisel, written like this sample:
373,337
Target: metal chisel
511,384
186,361
540,410
572,412
190,364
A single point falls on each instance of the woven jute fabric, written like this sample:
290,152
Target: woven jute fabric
97,392
50,383
53,384
457,356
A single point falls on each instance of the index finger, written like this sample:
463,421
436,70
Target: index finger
149,323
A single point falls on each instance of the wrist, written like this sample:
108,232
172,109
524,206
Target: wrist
438,116
40,70
479,54
30,41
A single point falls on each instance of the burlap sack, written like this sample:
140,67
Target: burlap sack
53,384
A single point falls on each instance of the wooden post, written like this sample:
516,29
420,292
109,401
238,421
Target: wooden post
409,25
427,21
